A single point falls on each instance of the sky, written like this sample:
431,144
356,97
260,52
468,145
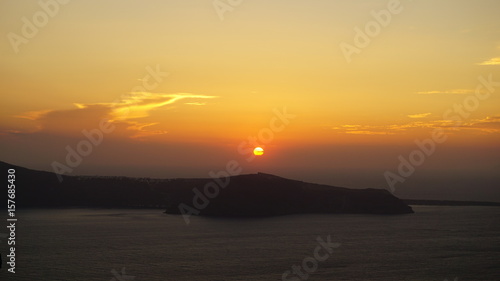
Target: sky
335,92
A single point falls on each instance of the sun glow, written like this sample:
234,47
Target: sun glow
258,151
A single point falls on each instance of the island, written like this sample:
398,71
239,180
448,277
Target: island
246,195
269,195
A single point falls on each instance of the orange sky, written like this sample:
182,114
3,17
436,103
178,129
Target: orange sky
184,87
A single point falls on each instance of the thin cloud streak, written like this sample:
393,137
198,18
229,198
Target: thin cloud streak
492,61
421,115
447,92
487,125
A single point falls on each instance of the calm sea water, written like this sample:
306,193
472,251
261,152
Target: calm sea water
435,243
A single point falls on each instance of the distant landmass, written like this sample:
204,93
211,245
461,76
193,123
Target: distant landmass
243,195
267,195
448,203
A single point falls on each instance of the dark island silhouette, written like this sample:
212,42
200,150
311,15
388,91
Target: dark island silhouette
268,195
244,195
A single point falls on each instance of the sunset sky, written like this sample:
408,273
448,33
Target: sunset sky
185,84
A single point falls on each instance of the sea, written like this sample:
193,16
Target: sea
435,243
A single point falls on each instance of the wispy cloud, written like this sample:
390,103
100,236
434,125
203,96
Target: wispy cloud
492,61
448,92
487,125
33,115
125,113
140,131
421,115
363,130
140,104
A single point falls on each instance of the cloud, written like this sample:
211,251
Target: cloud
123,113
489,124
33,115
363,130
140,104
492,61
421,115
141,132
368,133
448,92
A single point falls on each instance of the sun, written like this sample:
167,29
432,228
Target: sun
258,151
